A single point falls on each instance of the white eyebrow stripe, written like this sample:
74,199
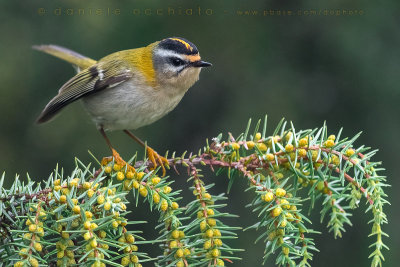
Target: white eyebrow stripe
167,53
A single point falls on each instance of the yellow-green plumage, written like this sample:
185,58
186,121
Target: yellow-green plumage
130,88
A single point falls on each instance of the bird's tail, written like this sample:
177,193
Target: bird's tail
76,59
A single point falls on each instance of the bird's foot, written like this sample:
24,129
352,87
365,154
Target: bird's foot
117,160
156,159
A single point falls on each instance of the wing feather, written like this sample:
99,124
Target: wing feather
88,81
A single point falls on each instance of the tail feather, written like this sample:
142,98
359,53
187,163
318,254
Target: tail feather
66,54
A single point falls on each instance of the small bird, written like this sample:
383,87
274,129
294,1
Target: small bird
128,89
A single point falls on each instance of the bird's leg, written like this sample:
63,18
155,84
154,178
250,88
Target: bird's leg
154,157
117,158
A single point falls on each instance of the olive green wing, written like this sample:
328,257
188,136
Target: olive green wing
89,81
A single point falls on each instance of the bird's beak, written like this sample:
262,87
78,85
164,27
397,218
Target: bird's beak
201,64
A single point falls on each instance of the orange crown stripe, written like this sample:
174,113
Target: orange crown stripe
188,46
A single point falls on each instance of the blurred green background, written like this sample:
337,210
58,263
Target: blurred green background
307,68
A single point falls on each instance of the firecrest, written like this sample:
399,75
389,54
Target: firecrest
128,89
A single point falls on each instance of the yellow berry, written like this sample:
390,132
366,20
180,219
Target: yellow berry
215,253
27,236
257,136
283,223
280,192
207,244
207,196
332,137
86,225
220,262
181,234
156,198
143,191
134,259
76,209
19,264
203,225
167,189
93,226
107,205
90,193
179,253
289,216
73,183
38,247
87,236
93,243
285,250
32,228
125,261
329,143
314,155
174,205
350,152
276,211
235,146
65,235
63,199
250,144
130,175
164,205
60,254
86,185
218,242
116,167
320,185
216,232
210,212
262,146
269,196
180,264
289,148
173,244
120,176
34,262
100,199
135,184
186,251
175,234
155,180
65,190
209,233
285,204
270,157
130,238
139,175
211,222
108,169
302,152
200,214
303,142
70,254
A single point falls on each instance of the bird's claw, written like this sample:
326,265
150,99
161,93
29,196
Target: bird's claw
117,160
156,159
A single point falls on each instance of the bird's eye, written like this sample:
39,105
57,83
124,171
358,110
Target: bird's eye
177,61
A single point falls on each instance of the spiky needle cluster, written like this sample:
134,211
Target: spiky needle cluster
81,218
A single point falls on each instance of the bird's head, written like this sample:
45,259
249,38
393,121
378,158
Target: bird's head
177,63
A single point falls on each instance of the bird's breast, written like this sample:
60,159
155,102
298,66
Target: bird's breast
131,105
